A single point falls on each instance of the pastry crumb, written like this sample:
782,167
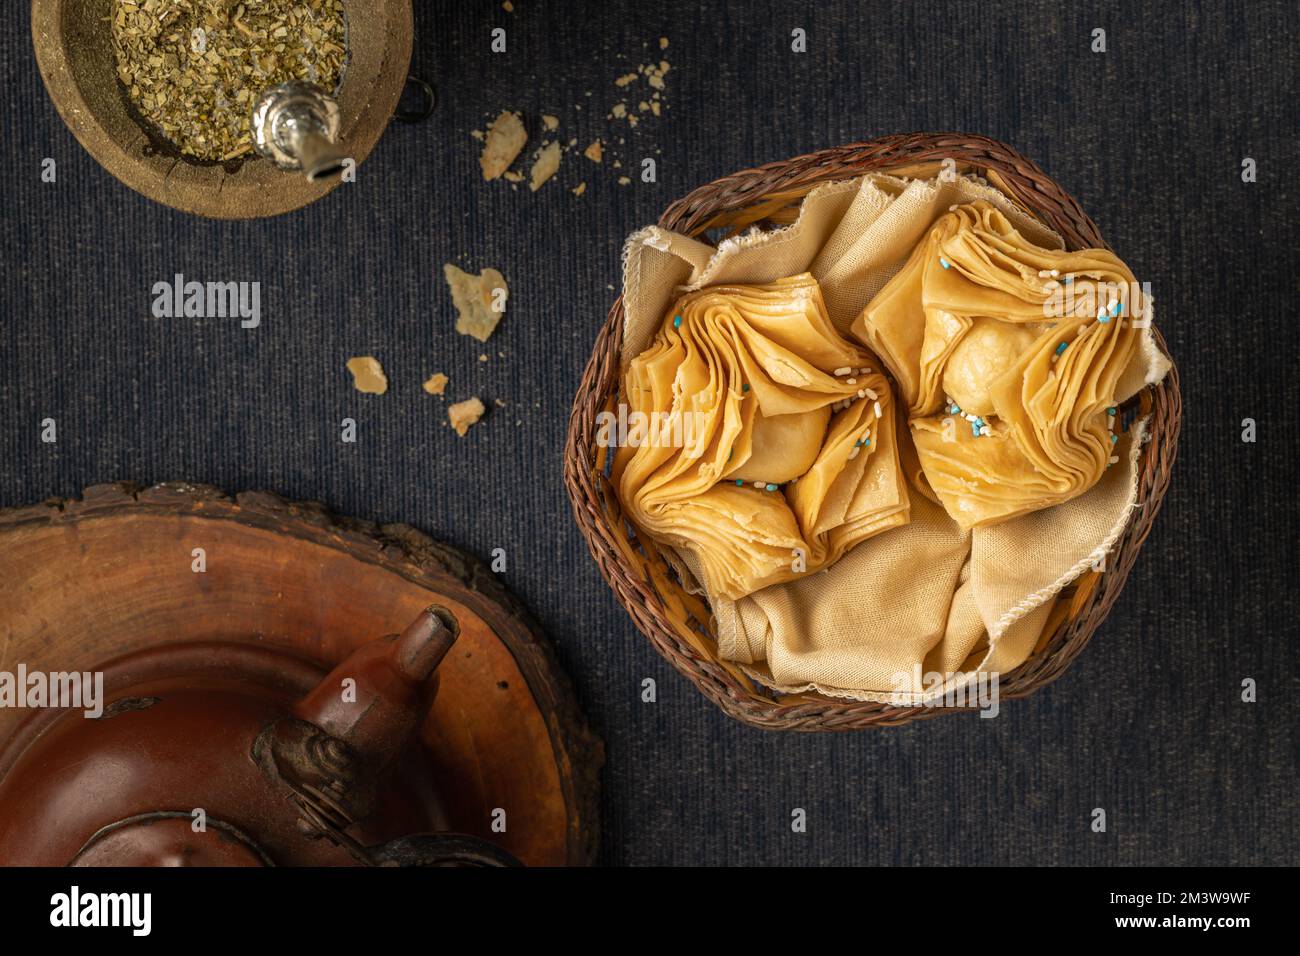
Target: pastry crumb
505,140
663,43
464,414
625,79
550,122
546,165
579,189
511,176
508,7
595,152
368,375
480,300
623,180
436,383
654,75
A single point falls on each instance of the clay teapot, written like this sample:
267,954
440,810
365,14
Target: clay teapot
211,754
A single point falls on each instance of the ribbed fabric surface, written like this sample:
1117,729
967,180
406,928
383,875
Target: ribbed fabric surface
1149,136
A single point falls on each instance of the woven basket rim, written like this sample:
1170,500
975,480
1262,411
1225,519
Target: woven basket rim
1023,181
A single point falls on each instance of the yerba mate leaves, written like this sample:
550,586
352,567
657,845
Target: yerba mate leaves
194,68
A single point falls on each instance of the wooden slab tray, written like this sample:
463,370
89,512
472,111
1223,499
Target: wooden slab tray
89,580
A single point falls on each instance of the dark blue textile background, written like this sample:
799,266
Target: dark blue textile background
1149,136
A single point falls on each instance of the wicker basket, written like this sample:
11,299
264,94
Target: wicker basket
678,623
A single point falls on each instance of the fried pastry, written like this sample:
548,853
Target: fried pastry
1007,356
771,448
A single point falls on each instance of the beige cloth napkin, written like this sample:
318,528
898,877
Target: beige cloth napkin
926,597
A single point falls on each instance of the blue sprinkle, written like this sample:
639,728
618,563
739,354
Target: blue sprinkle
771,487
1111,411
677,321
1113,439
1103,318
1119,307
1062,347
945,263
956,409
745,387
1069,279
740,482
979,422
975,429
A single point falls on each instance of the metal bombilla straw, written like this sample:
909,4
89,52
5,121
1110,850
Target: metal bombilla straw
296,124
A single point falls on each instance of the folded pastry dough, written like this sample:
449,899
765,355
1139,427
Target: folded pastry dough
1008,356
787,454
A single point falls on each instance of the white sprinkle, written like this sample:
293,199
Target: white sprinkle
1043,273
760,484
854,453
851,381
879,413
1055,273
868,393
1114,459
864,371
862,393
845,370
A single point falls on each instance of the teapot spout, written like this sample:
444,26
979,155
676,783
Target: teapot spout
425,642
376,699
